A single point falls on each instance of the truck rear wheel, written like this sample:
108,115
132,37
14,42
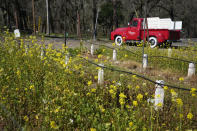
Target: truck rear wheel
119,40
153,42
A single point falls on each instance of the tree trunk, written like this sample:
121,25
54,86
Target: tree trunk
115,21
34,20
47,8
95,27
16,14
7,5
94,10
51,23
78,25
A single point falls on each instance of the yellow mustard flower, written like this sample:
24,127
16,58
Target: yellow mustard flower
190,115
18,72
128,106
122,101
129,86
181,79
139,97
26,118
89,83
31,87
100,56
181,115
174,94
134,76
158,96
111,91
98,68
37,117
135,103
193,90
95,77
159,105
53,125
102,109
96,60
92,129
131,124
137,87
122,95
57,110
165,87
88,94
58,54
179,102
93,90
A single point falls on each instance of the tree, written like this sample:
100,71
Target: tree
106,18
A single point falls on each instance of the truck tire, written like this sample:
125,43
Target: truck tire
119,40
153,42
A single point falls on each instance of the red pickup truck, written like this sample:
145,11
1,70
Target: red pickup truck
159,30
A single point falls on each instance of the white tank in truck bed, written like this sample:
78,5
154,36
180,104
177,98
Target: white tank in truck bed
166,23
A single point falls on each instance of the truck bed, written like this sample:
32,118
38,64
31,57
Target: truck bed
171,35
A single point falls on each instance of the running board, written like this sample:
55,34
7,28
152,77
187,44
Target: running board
133,41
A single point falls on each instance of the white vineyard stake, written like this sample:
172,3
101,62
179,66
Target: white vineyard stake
42,52
101,75
159,95
145,61
67,58
17,33
169,52
26,48
191,69
92,49
114,55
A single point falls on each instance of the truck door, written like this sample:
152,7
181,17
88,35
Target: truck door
134,31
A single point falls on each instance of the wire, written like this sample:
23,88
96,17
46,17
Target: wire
131,73
188,61
174,59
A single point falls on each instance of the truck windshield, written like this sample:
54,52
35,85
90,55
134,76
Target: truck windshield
134,23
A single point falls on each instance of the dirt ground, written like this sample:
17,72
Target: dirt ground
72,43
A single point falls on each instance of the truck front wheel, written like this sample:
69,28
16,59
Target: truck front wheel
119,40
153,42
